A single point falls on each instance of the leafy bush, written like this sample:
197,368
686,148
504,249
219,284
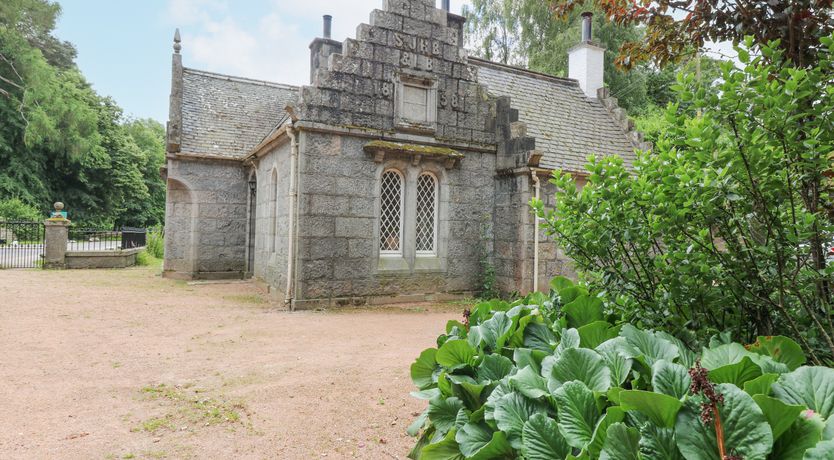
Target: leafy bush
155,244
553,378
726,224
15,209
144,258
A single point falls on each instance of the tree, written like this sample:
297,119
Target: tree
60,140
720,227
679,28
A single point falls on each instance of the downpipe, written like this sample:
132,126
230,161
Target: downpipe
537,186
293,217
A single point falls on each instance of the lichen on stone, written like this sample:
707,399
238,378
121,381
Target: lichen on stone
413,149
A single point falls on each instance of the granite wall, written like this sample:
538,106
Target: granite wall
205,218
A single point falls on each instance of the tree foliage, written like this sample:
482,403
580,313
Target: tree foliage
60,140
725,225
677,28
527,33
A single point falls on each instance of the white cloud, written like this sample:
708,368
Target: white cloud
276,47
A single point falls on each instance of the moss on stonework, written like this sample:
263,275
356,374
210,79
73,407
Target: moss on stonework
414,149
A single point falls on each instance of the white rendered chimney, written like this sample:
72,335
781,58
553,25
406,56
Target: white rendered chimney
585,61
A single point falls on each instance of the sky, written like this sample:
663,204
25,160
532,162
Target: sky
124,46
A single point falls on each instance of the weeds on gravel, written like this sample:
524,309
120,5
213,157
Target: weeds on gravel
190,408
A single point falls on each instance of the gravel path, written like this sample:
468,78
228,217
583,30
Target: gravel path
123,364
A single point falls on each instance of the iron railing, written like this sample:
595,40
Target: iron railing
92,239
21,244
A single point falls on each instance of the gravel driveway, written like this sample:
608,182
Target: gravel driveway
123,364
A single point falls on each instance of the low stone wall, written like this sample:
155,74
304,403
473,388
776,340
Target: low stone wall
102,259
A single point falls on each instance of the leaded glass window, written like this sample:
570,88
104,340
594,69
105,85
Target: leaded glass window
391,213
426,214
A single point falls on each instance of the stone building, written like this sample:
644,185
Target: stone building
401,169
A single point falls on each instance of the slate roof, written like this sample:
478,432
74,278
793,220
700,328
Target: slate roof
227,116
567,125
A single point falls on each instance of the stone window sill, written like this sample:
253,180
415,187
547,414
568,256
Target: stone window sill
392,263
428,263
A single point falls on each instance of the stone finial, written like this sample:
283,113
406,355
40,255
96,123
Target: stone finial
58,206
177,40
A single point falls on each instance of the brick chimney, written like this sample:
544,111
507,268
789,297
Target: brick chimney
585,60
323,47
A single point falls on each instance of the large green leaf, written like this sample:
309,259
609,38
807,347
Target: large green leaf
417,424
686,357
455,353
541,440
581,364
527,357
613,415
738,373
570,293
722,355
661,409
650,347
760,385
511,411
443,412
578,413
745,428
423,369
559,283
781,349
501,326
446,449
492,333
477,441
539,337
593,334
465,388
497,393
570,339
812,386
779,415
828,432
494,368
671,379
803,434
583,310
658,443
823,451
529,383
622,443
617,353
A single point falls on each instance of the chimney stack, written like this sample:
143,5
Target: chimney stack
446,5
586,61
328,25
323,47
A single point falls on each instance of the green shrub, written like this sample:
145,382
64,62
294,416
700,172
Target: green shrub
15,209
155,244
555,377
726,224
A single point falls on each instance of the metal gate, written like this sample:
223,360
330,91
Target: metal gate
21,244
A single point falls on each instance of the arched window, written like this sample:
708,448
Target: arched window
391,213
273,210
426,214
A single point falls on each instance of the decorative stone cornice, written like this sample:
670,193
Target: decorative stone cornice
378,150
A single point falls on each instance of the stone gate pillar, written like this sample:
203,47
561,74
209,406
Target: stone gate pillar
56,233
